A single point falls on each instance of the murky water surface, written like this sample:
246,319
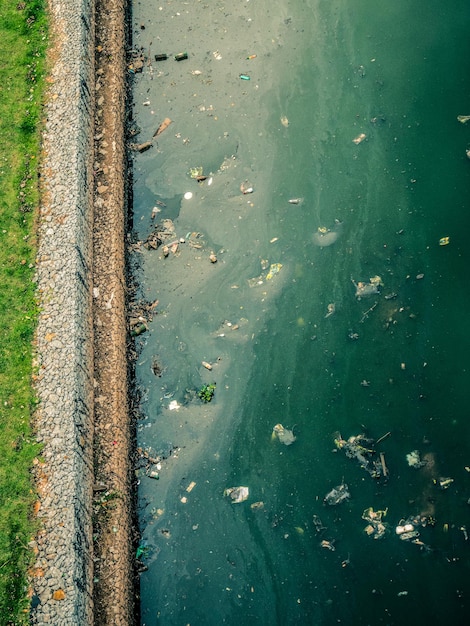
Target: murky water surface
277,317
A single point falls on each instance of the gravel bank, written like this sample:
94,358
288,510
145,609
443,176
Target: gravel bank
81,338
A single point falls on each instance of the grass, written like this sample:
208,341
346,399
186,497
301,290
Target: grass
23,40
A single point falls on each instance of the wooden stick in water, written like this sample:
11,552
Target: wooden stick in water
383,437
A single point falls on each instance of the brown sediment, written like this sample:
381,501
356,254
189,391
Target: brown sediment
114,593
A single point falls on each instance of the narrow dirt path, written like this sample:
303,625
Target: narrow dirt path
114,547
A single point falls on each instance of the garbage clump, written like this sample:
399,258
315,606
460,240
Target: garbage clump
272,270
237,494
406,531
284,435
163,233
356,447
375,528
444,241
463,119
136,61
337,495
371,288
197,173
295,200
414,459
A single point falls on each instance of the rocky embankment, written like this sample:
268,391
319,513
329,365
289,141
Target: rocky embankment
83,572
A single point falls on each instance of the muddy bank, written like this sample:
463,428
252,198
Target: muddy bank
113,590
83,572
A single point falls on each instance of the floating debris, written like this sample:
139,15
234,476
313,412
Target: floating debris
141,147
319,528
376,527
443,483
275,268
284,121
237,494
325,237
197,173
444,241
329,545
284,435
337,495
368,289
331,308
359,139
463,119
355,448
295,200
246,188
163,126
414,460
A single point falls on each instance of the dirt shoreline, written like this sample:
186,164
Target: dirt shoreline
114,576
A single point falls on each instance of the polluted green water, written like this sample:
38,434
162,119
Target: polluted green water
349,109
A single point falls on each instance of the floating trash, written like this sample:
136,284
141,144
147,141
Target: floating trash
337,495
237,494
284,435
359,139
328,545
331,309
163,126
376,528
414,459
284,121
274,268
443,483
355,448
246,187
188,195
444,241
368,289
325,237
196,172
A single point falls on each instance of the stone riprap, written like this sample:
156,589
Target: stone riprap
62,577
83,573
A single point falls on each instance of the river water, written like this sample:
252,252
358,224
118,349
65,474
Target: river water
296,346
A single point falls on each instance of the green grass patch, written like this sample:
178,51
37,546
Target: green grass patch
23,41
